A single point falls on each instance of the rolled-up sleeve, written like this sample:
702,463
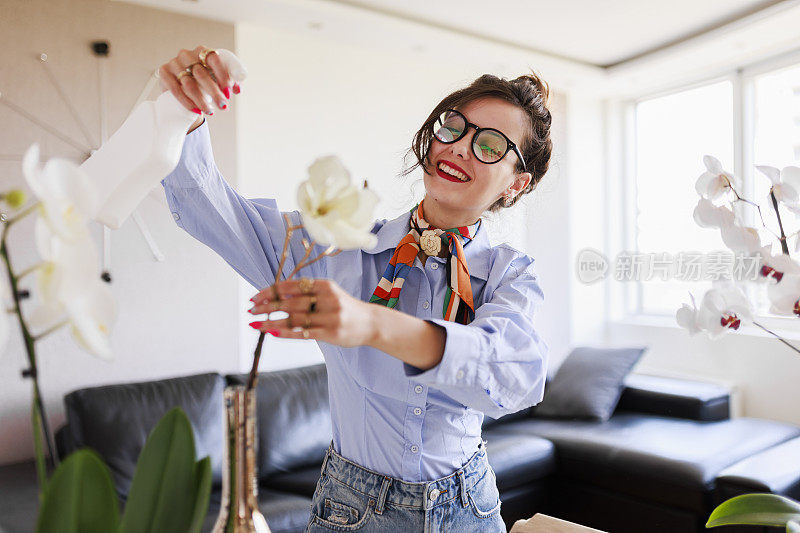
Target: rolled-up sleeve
497,364
248,234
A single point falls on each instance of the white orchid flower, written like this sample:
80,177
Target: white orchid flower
688,316
784,297
715,183
336,212
91,313
785,185
67,197
741,238
67,267
776,266
724,308
708,215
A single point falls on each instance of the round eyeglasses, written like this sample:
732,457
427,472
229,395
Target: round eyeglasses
488,144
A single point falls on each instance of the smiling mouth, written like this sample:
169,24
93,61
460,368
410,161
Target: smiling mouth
450,173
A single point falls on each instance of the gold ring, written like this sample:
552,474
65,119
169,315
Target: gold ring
184,72
312,308
190,67
204,54
305,333
306,285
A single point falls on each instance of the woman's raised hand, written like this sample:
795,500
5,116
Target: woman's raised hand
205,88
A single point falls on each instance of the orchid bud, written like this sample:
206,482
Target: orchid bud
15,198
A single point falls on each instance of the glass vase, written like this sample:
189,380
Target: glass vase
239,505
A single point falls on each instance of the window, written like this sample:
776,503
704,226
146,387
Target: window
673,132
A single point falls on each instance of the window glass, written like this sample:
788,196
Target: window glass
673,132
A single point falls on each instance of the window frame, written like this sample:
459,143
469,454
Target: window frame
742,79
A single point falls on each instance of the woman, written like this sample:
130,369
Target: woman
419,346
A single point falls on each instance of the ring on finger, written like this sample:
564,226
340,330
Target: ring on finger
312,307
184,72
306,285
305,333
204,54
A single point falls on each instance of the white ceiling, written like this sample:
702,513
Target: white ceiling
598,32
593,32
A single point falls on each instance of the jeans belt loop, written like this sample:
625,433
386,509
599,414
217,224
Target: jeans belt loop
462,481
325,460
387,481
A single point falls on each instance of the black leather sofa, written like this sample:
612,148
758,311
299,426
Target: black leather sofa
665,459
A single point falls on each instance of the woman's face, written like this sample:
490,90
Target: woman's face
466,201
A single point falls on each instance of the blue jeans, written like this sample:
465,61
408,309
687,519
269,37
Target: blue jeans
350,497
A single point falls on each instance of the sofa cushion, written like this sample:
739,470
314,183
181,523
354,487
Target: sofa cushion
775,470
302,481
115,420
658,459
588,383
680,398
518,459
294,420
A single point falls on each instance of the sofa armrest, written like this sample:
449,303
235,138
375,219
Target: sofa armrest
680,398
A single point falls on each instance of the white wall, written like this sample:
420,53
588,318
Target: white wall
176,317
365,104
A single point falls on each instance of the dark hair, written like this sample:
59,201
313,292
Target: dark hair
529,92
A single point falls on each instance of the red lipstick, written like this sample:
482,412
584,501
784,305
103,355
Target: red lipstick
447,176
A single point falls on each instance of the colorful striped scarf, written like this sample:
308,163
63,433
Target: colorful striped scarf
458,305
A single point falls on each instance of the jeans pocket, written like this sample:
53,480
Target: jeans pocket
484,498
341,508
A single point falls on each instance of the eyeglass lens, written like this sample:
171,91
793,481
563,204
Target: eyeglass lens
488,145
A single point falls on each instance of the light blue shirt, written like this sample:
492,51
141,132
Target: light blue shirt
388,416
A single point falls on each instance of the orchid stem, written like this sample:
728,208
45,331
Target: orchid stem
22,214
784,246
51,330
29,270
38,414
777,337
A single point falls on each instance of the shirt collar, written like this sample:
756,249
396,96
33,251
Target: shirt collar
476,251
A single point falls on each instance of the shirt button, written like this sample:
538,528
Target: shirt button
426,305
417,411
176,216
414,448
434,266
418,389
460,374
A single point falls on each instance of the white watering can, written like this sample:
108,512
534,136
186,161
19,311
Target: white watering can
143,151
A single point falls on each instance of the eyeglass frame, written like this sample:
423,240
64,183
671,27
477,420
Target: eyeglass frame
510,144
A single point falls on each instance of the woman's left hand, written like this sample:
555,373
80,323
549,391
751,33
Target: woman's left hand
320,307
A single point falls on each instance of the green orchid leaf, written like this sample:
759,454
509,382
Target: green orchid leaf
756,510
79,498
202,494
163,490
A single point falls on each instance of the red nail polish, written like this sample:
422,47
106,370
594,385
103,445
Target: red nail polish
251,311
225,106
227,92
196,110
210,112
255,325
253,299
274,332
236,88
